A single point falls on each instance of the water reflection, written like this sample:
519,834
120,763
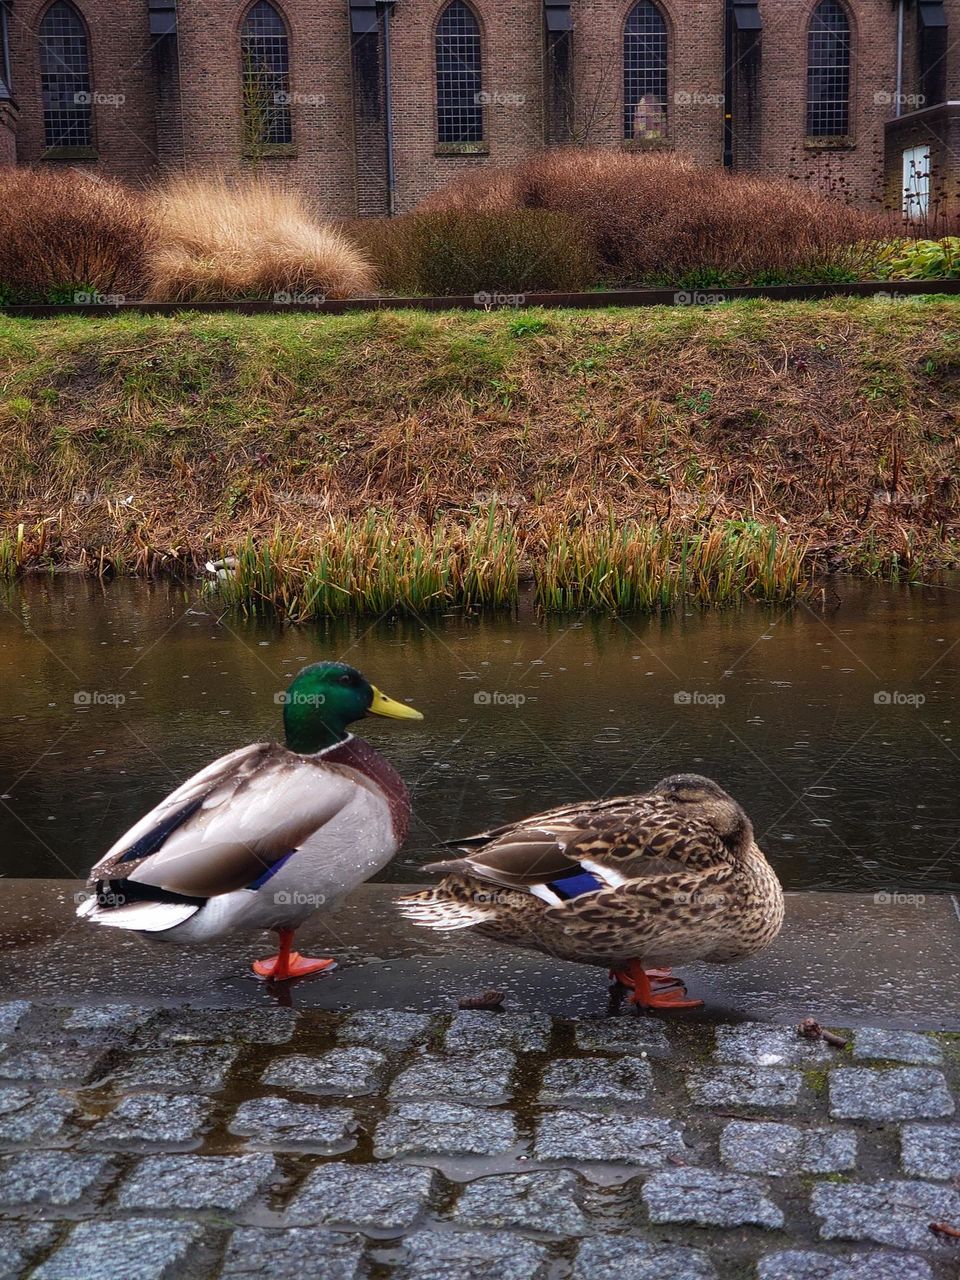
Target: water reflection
834,729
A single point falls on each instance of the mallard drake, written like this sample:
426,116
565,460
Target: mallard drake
635,884
266,835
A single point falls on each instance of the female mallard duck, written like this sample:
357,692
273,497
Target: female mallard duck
265,835
631,884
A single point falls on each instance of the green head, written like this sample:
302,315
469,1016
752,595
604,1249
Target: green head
327,696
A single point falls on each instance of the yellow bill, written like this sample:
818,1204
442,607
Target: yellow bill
384,706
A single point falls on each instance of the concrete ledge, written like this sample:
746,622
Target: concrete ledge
845,959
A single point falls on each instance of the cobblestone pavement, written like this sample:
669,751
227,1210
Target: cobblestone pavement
143,1144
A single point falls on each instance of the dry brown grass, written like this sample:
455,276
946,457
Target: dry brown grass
148,442
656,216
226,239
64,232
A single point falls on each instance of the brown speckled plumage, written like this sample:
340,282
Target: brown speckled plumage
689,882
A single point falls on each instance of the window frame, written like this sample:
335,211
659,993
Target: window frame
266,143
658,134
459,145
83,147
834,138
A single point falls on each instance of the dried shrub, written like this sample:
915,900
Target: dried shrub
468,252
220,239
657,218
63,232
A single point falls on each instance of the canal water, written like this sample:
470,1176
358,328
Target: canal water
834,725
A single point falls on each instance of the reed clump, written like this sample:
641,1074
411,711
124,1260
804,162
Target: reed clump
244,238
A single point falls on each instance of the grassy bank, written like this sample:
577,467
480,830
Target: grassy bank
620,458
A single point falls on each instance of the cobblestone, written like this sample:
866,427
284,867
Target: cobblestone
185,1026
391,1034
710,1199
292,1254
12,1014
584,1137
50,1177
801,1264
150,1120
619,1258
895,1093
483,1077
642,1037
73,1065
194,1067
897,1046
469,1255
444,1128
760,1088
196,1182
37,1116
143,1247
891,1212
345,1072
768,1147
387,1198
474,1029
20,1244
543,1201
930,1151
285,1126
757,1045
583,1081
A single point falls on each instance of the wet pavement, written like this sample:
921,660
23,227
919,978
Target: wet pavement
884,960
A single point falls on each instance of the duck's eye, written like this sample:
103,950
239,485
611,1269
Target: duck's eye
345,680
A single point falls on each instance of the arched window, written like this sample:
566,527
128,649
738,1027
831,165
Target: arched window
65,78
265,54
459,84
828,71
645,72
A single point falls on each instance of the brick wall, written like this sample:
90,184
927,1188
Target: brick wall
182,106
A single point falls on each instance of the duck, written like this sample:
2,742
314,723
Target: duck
267,834
635,884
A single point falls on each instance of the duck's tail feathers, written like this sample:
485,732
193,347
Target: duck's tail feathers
442,908
125,904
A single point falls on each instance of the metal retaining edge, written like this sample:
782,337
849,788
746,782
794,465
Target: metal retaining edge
892,289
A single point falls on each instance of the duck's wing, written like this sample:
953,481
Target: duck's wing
226,828
625,838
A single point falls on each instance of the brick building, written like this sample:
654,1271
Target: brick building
372,104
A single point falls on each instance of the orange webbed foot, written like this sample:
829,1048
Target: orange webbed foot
274,969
